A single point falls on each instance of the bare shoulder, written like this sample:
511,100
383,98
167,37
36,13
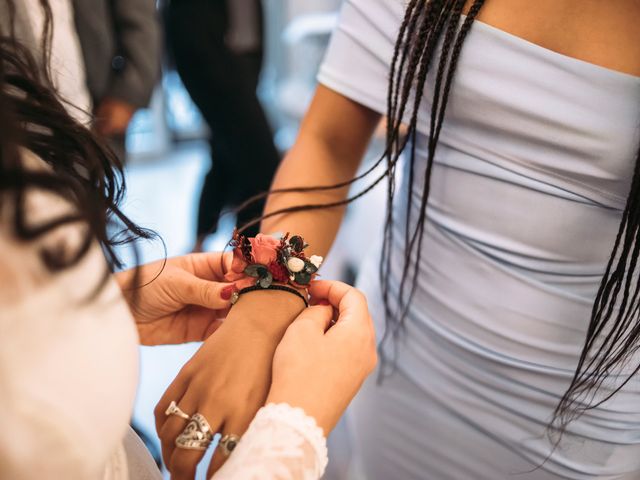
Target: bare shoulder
602,33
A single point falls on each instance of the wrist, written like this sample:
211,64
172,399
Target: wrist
302,294
310,404
269,312
271,260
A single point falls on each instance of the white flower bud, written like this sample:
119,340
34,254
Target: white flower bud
295,265
316,260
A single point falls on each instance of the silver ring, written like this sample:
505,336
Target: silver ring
228,443
197,435
174,409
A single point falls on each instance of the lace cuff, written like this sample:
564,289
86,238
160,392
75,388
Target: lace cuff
282,443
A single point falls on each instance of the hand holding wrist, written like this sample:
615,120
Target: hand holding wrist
319,365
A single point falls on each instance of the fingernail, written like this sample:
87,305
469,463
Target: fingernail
227,292
324,303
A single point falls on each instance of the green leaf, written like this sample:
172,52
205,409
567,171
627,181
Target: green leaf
266,281
302,278
255,270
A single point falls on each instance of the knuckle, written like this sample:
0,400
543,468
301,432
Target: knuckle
187,371
189,287
223,405
158,411
360,297
206,293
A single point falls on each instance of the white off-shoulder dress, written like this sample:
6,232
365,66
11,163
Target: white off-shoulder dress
69,372
530,178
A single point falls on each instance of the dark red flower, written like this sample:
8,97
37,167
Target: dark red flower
279,272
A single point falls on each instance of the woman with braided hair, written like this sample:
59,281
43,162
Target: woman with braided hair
506,285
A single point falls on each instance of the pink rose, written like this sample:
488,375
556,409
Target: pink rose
264,248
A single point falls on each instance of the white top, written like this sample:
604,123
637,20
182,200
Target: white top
69,371
531,174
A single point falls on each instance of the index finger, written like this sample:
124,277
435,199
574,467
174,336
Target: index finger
209,265
346,299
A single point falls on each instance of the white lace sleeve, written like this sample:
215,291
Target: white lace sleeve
282,443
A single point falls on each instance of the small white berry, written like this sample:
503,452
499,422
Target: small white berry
316,260
295,265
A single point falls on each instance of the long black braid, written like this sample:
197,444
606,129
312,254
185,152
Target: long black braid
612,339
613,334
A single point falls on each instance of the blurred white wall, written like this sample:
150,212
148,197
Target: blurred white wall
296,35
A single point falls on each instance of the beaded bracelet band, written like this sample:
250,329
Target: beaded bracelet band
236,295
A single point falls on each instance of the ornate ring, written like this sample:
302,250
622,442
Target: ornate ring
228,443
197,435
174,409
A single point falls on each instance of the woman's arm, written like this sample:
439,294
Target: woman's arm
228,379
310,389
332,141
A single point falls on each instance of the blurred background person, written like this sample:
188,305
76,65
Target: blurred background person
121,45
217,46
66,66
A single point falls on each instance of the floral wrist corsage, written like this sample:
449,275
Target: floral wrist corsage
268,259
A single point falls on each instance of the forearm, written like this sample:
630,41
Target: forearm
332,141
310,163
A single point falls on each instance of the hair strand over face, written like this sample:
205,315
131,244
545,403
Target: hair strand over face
81,169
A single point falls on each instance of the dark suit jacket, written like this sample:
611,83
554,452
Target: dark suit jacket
121,45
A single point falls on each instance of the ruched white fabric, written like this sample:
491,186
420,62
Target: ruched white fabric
69,369
531,174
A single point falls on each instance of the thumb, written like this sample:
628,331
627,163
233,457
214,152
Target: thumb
319,316
192,290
